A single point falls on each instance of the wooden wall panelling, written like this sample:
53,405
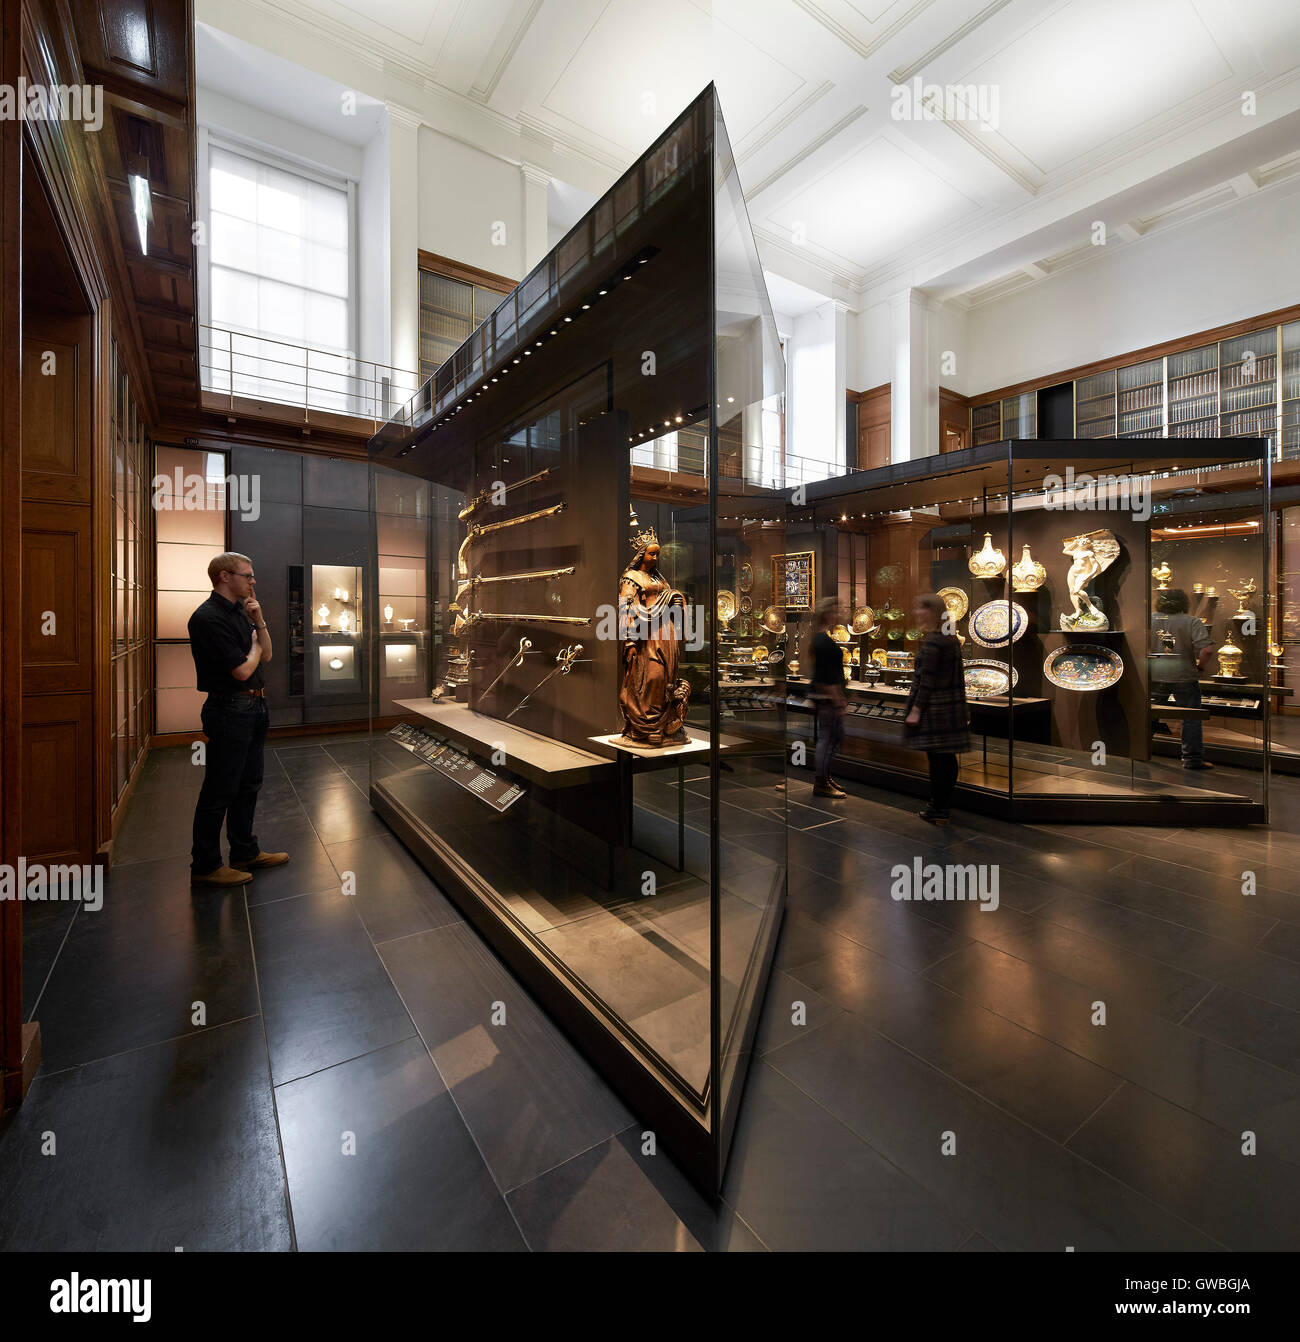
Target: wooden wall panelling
874,416
14,1077
58,382
954,420
58,773
101,584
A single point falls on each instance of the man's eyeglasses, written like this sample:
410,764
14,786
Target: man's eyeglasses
241,575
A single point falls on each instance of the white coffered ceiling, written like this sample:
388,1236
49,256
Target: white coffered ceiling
1129,111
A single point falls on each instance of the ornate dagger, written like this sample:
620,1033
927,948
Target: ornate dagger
485,494
516,660
462,568
564,661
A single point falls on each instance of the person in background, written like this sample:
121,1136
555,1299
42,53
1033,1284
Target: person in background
826,662
230,642
936,720
1177,676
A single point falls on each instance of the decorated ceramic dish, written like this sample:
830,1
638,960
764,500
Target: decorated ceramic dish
777,656
746,605
986,677
774,620
880,657
997,623
956,600
840,633
746,578
726,605
1083,667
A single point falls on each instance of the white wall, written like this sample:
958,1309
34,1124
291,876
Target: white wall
811,388
373,251
464,194
1236,263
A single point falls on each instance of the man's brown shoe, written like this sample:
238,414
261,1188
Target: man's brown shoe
222,876
262,860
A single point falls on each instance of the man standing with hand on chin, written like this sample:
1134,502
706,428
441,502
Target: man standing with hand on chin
229,641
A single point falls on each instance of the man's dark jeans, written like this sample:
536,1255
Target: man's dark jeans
235,726
1186,694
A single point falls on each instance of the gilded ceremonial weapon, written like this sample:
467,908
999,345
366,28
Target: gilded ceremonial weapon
462,568
465,621
488,492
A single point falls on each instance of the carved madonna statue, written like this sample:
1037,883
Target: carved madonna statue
651,617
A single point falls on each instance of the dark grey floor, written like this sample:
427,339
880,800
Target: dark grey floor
341,1084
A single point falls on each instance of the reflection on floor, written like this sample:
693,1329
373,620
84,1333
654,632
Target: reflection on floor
641,942
372,1013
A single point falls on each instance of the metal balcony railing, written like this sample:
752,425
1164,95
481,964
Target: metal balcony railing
252,367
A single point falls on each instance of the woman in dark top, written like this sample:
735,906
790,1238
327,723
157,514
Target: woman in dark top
826,692
936,708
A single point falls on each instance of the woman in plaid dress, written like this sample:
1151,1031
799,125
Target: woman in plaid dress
936,708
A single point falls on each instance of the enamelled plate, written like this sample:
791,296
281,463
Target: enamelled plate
997,623
986,678
1083,666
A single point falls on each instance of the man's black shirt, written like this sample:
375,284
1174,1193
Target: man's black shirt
221,637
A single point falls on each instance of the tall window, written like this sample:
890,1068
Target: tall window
454,299
279,280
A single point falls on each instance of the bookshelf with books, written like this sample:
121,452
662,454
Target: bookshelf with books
1094,406
986,423
1248,384
1141,393
1291,389
1194,393
1237,380
1020,415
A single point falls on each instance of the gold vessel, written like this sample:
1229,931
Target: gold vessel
989,562
1162,574
1230,656
1028,575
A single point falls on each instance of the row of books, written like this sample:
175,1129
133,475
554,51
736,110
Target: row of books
1199,385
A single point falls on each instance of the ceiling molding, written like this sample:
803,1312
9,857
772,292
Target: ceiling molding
806,257
808,150
749,150
979,142
482,93
852,40
570,144
905,72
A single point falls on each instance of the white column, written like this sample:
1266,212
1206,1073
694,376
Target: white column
404,235
914,394
536,242
841,377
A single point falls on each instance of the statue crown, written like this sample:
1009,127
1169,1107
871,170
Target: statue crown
644,538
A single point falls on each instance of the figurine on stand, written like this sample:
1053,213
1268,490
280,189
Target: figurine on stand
1093,553
653,699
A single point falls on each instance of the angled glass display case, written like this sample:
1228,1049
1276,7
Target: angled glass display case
1110,598
572,759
